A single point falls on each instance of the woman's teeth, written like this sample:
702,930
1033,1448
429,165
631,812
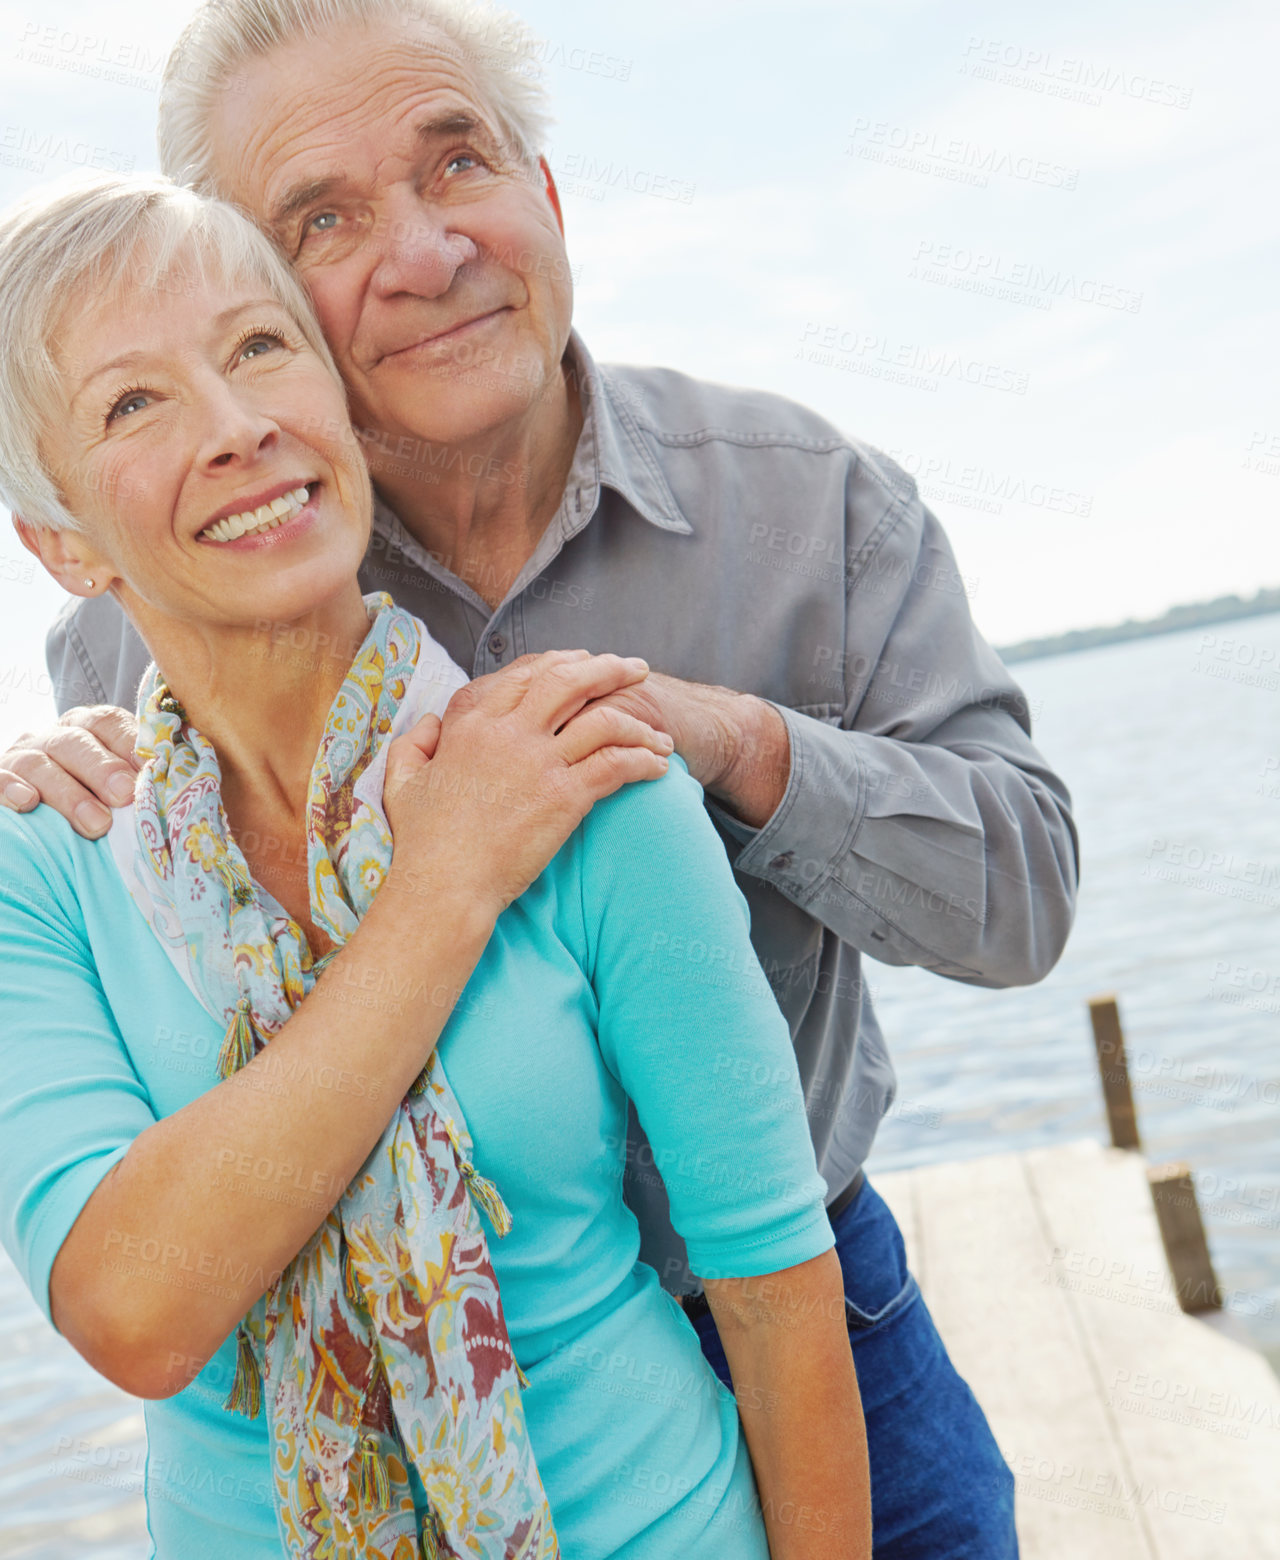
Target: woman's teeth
255,521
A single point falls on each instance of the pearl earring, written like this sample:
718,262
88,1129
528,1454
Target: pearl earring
91,585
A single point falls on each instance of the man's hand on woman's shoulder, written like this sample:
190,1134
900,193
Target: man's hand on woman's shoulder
737,747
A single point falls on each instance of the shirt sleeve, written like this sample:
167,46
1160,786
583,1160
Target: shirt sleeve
71,1102
689,1027
922,826
94,655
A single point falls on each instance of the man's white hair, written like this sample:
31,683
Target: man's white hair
496,46
89,237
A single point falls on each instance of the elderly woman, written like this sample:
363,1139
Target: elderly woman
269,1088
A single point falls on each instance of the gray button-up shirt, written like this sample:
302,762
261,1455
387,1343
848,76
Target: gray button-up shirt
732,537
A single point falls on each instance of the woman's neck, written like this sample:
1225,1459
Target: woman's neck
262,694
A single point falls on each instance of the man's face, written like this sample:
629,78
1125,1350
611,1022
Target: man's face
435,259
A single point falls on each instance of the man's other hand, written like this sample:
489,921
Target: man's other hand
82,767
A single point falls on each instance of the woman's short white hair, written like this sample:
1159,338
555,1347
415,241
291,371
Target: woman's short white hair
497,47
89,237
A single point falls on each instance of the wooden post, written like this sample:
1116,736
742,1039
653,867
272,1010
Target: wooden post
1182,1230
1113,1066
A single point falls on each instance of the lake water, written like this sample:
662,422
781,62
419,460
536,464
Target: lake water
1172,749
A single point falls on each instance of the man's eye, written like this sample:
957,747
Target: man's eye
323,222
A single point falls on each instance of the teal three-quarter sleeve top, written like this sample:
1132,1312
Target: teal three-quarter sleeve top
624,970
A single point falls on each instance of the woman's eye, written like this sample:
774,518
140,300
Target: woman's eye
462,161
134,401
259,343
325,222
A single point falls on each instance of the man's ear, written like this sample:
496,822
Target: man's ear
553,194
67,556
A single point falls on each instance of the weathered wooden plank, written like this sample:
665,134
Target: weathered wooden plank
1197,1414
987,1275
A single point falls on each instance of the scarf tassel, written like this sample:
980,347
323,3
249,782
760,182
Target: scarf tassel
375,1482
433,1539
246,1389
240,1043
349,1280
484,1192
490,1199
488,1196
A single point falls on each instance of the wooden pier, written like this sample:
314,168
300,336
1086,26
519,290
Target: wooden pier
1061,1280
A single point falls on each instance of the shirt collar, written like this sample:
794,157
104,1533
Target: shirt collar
613,451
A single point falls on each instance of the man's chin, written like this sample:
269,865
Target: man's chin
453,413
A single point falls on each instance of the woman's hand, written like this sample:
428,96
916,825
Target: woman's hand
489,795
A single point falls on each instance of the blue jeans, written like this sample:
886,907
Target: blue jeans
940,1490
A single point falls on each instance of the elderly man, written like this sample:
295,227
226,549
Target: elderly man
865,756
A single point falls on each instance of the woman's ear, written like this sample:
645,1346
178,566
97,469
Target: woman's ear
68,557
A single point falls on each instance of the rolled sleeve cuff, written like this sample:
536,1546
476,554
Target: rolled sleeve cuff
813,826
56,1214
804,1236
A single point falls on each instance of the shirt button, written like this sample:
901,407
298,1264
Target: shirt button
497,644
781,863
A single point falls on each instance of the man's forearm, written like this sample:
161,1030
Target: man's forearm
758,766
787,1344
957,854
961,860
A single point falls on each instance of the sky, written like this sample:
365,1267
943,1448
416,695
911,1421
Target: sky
1029,252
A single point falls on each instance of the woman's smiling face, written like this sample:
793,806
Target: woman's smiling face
206,451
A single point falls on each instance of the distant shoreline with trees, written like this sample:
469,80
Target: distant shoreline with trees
1223,609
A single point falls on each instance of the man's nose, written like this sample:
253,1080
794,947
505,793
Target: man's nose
417,250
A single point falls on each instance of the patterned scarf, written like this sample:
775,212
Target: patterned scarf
383,1343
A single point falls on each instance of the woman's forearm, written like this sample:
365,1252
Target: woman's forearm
787,1343
212,1203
